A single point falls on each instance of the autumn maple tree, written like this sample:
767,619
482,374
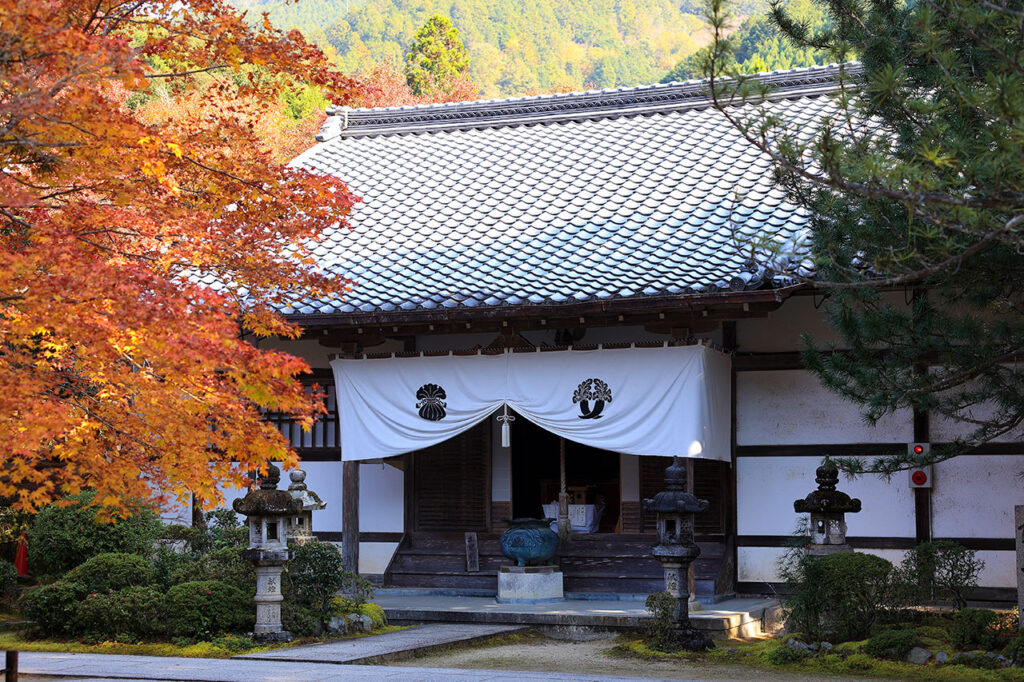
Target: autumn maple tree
143,246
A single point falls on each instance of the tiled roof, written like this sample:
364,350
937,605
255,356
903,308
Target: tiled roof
553,200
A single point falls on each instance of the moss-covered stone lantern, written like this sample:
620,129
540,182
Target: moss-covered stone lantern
268,510
676,550
300,526
828,508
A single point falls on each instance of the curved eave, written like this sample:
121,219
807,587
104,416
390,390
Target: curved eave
649,304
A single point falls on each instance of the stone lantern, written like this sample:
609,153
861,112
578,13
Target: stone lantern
676,550
300,526
268,510
828,508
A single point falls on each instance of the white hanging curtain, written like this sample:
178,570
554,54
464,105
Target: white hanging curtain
639,401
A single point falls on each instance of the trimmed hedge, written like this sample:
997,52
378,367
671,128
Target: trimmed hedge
892,644
840,597
126,615
54,608
204,609
8,579
64,537
225,565
112,571
973,628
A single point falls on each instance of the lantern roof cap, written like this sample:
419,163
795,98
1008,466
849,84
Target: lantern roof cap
826,499
675,499
267,500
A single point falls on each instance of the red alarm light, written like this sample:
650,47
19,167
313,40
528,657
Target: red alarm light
918,449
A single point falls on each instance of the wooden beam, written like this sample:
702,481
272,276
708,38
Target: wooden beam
350,514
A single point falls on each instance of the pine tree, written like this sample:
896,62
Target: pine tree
435,55
915,188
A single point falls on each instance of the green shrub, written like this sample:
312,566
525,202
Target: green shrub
892,644
1015,650
375,613
970,660
973,628
225,530
111,571
301,620
198,539
8,579
199,610
658,629
840,597
225,565
166,565
53,608
126,615
315,574
783,654
64,537
942,570
233,643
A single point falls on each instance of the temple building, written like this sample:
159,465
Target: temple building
558,293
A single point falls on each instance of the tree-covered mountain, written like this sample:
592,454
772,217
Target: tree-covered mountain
515,46
524,46
759,46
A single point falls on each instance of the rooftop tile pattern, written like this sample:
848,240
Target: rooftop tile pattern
616,204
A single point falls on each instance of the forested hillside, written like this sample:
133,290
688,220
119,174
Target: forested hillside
760,47
525,46
515,46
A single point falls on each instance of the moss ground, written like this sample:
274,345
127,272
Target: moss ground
845,660
214,649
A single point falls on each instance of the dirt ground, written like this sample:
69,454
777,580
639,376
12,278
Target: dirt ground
549,655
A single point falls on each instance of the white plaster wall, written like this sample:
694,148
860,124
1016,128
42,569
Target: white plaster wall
323,478
791,407
780,332
177,513
758,564
974,496
501,465
381,498
629,477
1000,569
944,430
767,486
374,557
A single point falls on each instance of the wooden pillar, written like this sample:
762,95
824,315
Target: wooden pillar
350,514
564,530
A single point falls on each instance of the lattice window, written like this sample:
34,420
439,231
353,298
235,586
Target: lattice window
325,434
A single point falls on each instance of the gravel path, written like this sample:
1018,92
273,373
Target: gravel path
548,655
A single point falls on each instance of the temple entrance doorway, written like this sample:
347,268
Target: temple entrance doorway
592,479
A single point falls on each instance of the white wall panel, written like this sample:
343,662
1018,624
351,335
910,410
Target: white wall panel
1000,569
381,498
767,486
974,496
793,408
758,564
323,478
944,430
374,557
780,331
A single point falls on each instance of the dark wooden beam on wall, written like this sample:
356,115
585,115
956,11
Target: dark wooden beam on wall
350,514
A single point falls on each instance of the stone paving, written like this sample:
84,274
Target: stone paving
387,646
745,617
94,667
